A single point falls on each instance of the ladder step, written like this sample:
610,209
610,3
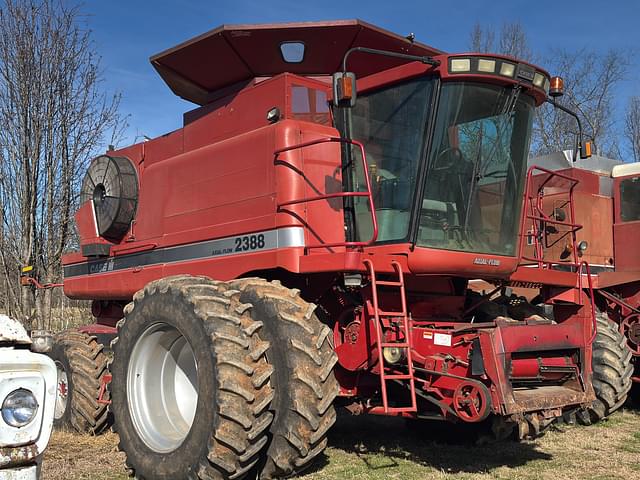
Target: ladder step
382,313
399,376
389,284
395,344
402,410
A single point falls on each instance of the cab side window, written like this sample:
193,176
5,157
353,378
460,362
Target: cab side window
630,199
309,105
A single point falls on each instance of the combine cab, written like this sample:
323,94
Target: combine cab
305,242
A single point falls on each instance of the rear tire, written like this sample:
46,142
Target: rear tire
81,364
612,370
305,387
190,382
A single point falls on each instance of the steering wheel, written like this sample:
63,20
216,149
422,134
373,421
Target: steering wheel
453,156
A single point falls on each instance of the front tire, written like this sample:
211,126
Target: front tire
612,371
305,387
81,364
190,382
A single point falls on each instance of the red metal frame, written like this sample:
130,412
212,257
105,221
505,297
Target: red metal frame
26,281
587,268
104,381
327,196
98,329
533,202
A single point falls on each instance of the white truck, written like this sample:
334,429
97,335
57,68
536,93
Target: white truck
28,383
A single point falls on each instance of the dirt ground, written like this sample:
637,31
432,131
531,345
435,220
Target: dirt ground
366,448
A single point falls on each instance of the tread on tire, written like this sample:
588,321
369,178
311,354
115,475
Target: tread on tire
229,429
305,387
612,371
85,363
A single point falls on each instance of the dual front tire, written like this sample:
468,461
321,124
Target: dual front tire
213,380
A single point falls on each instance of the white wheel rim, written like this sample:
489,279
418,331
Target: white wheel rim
62,393
162,387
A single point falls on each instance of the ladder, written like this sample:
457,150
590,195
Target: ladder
406,344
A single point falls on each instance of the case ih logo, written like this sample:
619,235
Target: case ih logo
101,267
486,261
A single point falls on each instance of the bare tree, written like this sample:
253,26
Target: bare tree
590,81
481,39
53,117
512,41
632,127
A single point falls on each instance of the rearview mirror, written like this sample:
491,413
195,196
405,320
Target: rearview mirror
344,89
585,150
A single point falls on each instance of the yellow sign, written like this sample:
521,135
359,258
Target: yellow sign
26,269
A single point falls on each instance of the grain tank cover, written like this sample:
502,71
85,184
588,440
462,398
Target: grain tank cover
232,54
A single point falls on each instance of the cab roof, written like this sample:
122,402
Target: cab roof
231,55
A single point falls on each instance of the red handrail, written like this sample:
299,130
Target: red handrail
368,193
25,281
536,214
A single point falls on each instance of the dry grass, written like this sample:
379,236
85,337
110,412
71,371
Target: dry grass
365,448
82,457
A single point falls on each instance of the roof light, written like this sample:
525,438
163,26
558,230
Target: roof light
486,66
507,69
557,87
460,64
523,73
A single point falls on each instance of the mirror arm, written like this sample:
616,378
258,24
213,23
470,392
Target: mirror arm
373,51
579,140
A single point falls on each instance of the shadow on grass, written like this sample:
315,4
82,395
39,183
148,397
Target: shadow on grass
439,445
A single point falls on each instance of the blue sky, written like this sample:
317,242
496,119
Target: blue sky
128,33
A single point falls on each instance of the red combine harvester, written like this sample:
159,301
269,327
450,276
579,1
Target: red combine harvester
606,201
305,242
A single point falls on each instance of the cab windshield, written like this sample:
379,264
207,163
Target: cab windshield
475,171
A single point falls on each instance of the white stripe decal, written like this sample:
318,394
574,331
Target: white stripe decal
287,237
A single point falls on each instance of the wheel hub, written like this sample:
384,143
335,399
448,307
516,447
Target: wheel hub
162,387
63,392
471,402
630,328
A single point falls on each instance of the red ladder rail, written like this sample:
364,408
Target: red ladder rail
381,344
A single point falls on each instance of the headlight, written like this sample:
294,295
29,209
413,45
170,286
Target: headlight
19,408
